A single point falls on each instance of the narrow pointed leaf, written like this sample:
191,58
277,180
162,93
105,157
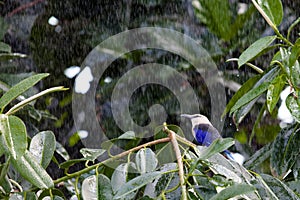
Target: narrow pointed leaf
32,171
42,147
273,93
273,9
19,88
281,190
285,150
242,91
217,146
252,94
136,184
146,160
13,135
256,48
233,191
295,74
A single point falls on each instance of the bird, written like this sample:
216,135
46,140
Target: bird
205,133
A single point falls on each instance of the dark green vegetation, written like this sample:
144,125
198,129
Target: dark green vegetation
36,163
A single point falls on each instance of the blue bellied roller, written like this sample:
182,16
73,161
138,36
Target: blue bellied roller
204,132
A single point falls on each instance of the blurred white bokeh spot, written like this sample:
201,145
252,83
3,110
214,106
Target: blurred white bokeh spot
284,114
82,81
72,71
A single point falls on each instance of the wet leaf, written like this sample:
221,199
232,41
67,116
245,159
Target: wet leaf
104,189
96,187
145,160
32,171
121,175
217,146
5,47
129,135
274,90
42,147
281,190
19,88
252,94
295,75
70,163
89,188
242,91
293,104
13,136
91,154
136,184
259,157
256,48
233,191
285,150
273,9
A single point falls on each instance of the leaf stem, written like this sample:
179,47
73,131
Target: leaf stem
23,103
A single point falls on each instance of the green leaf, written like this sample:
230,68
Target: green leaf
32,171
13,135
97,187
62,151
245,109
89,188
146,160
5,47
295,53
136,184
295,74
3,27
293,104
279,188
285,151
129,135
19,88
242,91
121,175
217,146
70,163
256,48
104,189
42,147
252,94
274,90
259,157
51,192
91,154
233,191
9,56
273,9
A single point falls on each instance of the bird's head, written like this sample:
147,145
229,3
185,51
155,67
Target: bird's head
197,118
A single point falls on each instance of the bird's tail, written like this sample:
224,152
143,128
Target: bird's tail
234,156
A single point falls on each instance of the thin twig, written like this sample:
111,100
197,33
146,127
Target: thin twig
23,7
86,170
174,142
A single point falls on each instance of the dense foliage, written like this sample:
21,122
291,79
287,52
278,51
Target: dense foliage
169,166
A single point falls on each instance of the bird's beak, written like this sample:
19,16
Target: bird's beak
186,116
